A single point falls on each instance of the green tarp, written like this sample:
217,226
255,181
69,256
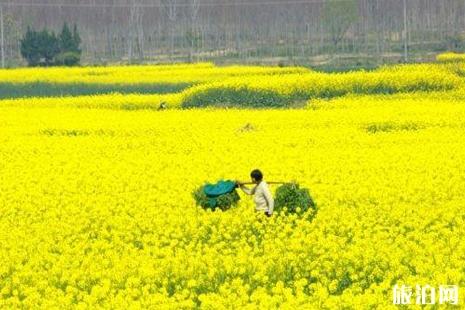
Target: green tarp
212,191
220,188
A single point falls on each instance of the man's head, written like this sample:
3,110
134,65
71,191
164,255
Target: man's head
256,176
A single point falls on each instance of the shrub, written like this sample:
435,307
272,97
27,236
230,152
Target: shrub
290,198
390,126
230,96
223,202
68,59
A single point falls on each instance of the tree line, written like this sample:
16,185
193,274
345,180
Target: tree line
293,31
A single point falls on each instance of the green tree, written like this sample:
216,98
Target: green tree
30,47
39,48
66,39
49,47
70,53
76,40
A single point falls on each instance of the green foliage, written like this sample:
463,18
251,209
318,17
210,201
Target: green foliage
49,46
39,47
243,97
30,47
46,48
70,41
290,198
50,89
76,40
389,126
66,39
223,202
68,59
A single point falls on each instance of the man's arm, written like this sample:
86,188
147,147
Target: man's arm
248,191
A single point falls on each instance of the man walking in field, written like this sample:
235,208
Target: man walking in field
263,199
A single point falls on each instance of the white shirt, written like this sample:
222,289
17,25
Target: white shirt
262,196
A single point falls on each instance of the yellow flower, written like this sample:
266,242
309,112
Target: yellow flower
96,201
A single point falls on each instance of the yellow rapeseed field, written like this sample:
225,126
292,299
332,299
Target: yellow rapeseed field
97,211
181,73
450,57
204,84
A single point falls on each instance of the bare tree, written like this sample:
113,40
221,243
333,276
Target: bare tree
170,7
252,31
193,35
405,31
131,26
140,33
338,17
2,36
